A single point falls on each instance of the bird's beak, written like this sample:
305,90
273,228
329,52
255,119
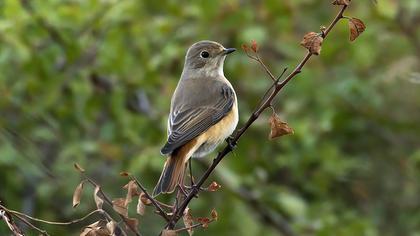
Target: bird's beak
228,50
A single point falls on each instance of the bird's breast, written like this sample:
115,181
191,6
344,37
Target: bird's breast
216,134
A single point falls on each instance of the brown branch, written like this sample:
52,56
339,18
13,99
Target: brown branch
278,87
154,202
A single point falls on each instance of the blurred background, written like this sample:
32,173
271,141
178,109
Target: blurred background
90,81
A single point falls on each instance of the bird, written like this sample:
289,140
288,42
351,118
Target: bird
203,112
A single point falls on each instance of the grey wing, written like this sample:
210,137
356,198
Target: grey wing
189,123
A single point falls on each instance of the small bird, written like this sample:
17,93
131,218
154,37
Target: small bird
203,113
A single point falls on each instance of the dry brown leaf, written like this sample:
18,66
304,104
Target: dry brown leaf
168,232
124,174
214,214
254,46
90,229
146,201
87,232
141,208
188,220
131,191
356,28
98,200
204,221
111,226
133,223
118,205
77,194
79,168
96,229
312,41
278,127
214,186
341,2
101,232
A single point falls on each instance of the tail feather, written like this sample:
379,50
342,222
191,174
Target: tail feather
174,168
172,175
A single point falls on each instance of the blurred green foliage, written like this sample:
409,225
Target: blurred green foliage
90,81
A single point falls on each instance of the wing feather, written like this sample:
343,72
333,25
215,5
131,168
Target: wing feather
189,122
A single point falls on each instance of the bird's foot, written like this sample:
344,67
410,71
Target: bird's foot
231,142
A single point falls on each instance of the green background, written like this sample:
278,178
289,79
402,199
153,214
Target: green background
90,81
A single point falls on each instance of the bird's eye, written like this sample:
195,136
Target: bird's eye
204,54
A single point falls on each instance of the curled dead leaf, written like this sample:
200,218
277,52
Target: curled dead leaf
341,2
356,28
146,201
188,220
204,221
92,229
214,214
131,191
79,168
278,127
132,223
124,174
141,207
312,41
214,186
254,46
118,205
98,200
111,226
77,194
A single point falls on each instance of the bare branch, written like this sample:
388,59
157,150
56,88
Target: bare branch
54,222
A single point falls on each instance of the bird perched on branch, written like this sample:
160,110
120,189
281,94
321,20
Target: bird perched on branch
203,112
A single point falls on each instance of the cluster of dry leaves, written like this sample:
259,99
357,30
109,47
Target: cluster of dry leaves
313,41
110,227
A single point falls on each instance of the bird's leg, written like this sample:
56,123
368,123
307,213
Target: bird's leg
231,143
182,190
191,175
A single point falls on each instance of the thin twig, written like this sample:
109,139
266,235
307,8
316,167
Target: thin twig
154,202
54,222
25,221
265,68
192,226
180,209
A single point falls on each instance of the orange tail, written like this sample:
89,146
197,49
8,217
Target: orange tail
174,168
172,174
